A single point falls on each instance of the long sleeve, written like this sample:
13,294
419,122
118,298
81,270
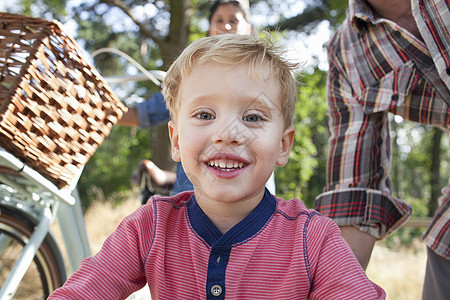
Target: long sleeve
152,112
359,189
117,270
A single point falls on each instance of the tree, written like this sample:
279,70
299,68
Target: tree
176,14
48,9
315,12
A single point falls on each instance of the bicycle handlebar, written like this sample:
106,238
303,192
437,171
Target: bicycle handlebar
10,161
148,74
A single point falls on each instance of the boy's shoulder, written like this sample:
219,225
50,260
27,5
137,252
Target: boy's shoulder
163,204
177,201
317,225
294,205
160,207
295,208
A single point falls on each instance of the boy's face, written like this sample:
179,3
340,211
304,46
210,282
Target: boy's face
229,131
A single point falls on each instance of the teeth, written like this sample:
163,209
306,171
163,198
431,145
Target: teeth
225,165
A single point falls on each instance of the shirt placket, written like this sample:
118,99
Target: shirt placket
217,264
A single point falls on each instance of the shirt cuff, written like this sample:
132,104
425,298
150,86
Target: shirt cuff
144,120
371,211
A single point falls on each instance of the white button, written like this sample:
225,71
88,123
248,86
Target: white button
216,290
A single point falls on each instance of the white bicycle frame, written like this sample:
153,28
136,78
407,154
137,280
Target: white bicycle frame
70,219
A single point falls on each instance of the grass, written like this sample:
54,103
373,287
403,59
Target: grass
400,272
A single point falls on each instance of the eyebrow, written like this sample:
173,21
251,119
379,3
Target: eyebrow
203,98
253,102
263,103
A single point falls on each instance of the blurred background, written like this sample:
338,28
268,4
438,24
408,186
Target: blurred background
153,32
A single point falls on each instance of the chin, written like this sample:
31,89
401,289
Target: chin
233,194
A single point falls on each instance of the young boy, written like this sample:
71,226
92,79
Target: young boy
231,100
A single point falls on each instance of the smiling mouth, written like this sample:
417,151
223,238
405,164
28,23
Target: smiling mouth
225,165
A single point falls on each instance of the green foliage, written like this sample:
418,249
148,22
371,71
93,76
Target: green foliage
411,160
404,236
336,11
49,9
97,34
411,165
303,176
108,171
333,11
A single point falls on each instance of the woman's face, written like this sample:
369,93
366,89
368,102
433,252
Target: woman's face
228,18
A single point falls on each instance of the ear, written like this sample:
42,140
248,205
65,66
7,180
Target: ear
174,140
287,140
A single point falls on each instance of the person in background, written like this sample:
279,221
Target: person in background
226,17
230,238
387,57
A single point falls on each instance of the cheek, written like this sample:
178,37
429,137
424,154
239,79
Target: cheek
191,141
268,145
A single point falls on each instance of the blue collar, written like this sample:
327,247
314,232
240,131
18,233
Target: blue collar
242,231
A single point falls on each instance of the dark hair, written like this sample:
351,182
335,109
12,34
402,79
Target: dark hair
236,3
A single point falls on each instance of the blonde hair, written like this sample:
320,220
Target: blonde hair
233,49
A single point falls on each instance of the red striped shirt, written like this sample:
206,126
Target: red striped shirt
280,251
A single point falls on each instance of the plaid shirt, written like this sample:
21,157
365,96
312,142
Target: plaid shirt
377,67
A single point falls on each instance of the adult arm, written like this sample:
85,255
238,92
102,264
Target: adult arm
358,193
360,242
161,178
130,118
152,112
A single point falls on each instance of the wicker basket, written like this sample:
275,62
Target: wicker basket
55,108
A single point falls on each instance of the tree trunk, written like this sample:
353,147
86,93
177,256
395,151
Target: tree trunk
397,167
435,178
171,47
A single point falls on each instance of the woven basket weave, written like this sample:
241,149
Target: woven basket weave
55,108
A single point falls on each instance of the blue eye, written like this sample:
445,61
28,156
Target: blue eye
205,116
252,118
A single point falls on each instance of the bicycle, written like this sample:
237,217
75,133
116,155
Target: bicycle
32,261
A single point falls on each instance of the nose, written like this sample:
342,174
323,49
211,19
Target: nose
224,27
231,133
